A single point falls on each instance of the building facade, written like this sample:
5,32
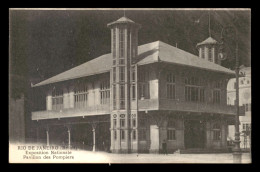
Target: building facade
136,97
244,100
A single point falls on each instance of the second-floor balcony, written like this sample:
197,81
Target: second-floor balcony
175,105
72,112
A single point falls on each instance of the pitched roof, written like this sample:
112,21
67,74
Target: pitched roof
123,20
209,40
147,53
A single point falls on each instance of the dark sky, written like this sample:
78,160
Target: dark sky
45,43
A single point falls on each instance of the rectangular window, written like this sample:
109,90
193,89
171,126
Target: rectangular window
170,78
133,73
142,134
133,122
216,96
114,43
115,134
114,123
114,74
144,90
133,92
121,73
114,97
202,53
194,91
216,131
143,85
246,107
170,86
105,92
122,134
171,134
216,134
142,122
202,95
210,55
170,91
122,96
57,99
81,95
122,123
134,134
121,43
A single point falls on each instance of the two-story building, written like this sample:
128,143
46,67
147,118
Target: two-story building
244,100
135,97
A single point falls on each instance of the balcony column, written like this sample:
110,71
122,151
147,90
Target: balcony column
69,141
49,100
71,97
94,125
37,134
66,100
47,135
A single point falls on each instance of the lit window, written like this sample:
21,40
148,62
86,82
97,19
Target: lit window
81,95
57,99
105,92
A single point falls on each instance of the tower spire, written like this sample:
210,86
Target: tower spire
209,25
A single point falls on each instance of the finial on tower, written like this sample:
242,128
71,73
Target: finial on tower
209,25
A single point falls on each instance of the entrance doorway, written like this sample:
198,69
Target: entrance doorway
194,134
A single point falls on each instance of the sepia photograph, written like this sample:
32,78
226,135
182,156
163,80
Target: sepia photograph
130,85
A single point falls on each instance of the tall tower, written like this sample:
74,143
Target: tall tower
124,50
208,50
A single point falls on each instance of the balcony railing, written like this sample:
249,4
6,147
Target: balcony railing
203,107
72,112
148,104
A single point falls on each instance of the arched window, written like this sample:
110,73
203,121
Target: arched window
81,95
216,131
